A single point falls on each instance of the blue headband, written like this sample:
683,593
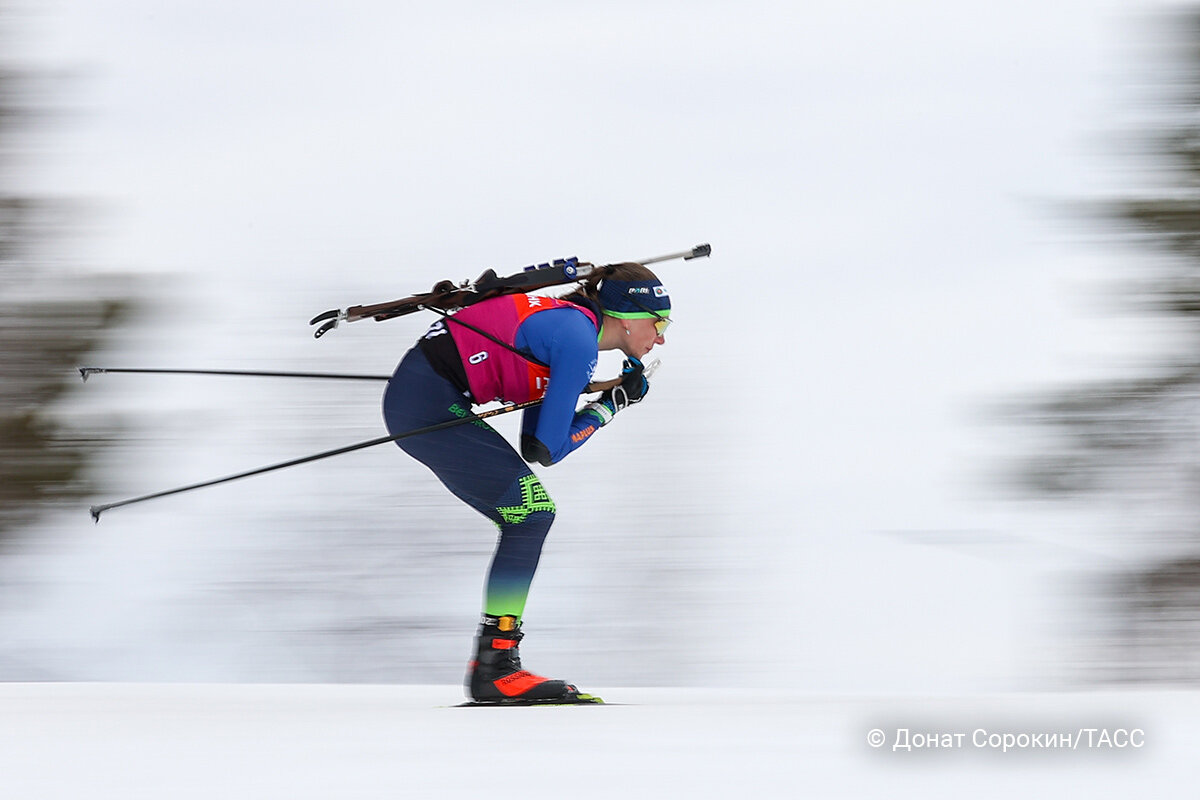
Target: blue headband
634,299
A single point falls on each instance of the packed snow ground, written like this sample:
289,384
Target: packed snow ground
180,741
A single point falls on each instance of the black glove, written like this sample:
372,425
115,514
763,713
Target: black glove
632,389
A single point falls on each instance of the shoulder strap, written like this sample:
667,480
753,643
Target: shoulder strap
446,315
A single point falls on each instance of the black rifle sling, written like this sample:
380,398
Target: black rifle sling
451,318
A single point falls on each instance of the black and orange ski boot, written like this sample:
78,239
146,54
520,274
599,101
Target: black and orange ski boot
495,676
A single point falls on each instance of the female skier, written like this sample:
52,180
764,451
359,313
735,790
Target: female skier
516,348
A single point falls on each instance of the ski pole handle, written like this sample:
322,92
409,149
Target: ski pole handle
612,383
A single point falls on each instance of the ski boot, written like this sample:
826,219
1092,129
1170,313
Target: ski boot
495,676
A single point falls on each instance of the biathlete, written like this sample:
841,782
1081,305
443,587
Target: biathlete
517,348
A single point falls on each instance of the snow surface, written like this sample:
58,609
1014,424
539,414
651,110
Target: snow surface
130,741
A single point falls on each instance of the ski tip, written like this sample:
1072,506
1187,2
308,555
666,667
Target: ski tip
699,251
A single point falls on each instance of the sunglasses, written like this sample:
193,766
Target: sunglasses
661,323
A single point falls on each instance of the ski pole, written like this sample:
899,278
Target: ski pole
97,510
87,372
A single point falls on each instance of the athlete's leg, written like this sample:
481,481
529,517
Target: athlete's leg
480,467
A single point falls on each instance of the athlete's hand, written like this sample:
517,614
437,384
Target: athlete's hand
633,387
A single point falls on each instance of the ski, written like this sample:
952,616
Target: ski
572,700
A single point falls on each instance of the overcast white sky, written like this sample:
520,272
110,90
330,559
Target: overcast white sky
872,177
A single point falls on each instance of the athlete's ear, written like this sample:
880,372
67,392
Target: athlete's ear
533,450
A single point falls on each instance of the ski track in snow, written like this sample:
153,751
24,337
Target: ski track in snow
183,741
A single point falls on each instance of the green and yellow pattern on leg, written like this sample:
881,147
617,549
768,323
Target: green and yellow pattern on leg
523,515
533,499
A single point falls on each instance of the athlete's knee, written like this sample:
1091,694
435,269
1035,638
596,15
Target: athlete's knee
525,498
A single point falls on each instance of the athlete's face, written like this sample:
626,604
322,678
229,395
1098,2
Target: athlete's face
642,336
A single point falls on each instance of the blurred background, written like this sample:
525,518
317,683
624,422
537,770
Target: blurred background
926,419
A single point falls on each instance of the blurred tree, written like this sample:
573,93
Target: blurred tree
49,318
1132,445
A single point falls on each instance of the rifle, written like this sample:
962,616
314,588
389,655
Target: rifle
448,296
